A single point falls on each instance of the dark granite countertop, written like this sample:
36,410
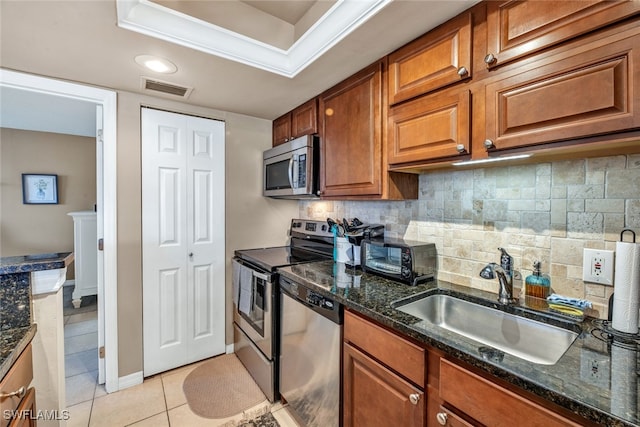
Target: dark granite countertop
12,342
594,379
36,262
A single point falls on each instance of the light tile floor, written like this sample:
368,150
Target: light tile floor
159,401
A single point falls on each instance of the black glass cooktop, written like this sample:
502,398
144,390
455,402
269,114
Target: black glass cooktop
271,258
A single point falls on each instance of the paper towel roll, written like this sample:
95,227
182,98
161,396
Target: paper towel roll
626,288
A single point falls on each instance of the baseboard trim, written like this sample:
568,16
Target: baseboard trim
130,380
229,349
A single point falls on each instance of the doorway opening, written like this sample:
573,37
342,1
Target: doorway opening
105,102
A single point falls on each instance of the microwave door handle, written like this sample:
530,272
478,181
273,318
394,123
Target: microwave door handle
291,162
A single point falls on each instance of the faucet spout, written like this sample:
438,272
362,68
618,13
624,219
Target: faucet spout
505,279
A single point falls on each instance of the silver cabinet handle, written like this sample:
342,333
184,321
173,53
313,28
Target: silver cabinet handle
442,418
490,59
462,71
414,398
461,149
488,144
18,393
190,254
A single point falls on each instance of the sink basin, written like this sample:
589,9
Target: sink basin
528,339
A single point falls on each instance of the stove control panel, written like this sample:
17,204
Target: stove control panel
310,227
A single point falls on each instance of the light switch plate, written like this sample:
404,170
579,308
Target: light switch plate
597,266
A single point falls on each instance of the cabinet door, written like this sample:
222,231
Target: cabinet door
430,127
282,129
304,119
351,135
593,90
375,396
437,59
518,28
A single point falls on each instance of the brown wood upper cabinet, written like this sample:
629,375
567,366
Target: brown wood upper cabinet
351,135
301,121
352,157
430,127
591,89
437,59
518,28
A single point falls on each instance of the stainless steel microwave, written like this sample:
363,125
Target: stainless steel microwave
398,259
290,170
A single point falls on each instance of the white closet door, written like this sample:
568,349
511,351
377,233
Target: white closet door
183,253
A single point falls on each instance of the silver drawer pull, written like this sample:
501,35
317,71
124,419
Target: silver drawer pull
414,398
442,418
19,393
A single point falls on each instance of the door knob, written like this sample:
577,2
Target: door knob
414,398
190,254
462,71
490,59
488,144
460,148
442,418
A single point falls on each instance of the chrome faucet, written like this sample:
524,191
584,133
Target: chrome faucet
504,272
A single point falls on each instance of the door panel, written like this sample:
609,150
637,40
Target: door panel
169,298
169,205
183,239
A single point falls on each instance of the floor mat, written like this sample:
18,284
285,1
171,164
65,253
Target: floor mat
221,387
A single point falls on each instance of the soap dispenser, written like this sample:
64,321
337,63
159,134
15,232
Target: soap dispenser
537,284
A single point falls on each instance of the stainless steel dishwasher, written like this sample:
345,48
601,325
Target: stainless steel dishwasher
310,356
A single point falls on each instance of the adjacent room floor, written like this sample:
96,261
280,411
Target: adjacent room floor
158,402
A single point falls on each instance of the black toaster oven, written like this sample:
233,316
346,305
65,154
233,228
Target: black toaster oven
406,261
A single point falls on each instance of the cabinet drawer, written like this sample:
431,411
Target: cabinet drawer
20,375
431,127
595,91
397,353
518,28
491,404
437,59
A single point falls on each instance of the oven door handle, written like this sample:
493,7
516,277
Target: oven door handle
265,277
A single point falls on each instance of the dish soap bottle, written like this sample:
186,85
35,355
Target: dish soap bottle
537,284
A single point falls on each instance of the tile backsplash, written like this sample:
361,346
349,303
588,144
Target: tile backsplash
546,211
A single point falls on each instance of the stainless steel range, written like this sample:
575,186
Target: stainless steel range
256,313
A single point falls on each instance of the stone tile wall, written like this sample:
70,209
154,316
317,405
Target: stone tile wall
547,212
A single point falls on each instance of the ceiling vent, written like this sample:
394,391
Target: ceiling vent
166,88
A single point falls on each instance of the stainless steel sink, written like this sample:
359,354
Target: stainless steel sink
528,339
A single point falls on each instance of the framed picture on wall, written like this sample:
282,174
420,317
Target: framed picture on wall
39,189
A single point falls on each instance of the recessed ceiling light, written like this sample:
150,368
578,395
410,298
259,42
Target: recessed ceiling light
157,64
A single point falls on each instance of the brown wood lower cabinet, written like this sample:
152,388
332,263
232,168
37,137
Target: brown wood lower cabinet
391,381
376,396
17,400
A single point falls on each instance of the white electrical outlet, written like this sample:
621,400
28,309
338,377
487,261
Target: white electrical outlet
597,266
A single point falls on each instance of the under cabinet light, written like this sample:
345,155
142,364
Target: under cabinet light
490,160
